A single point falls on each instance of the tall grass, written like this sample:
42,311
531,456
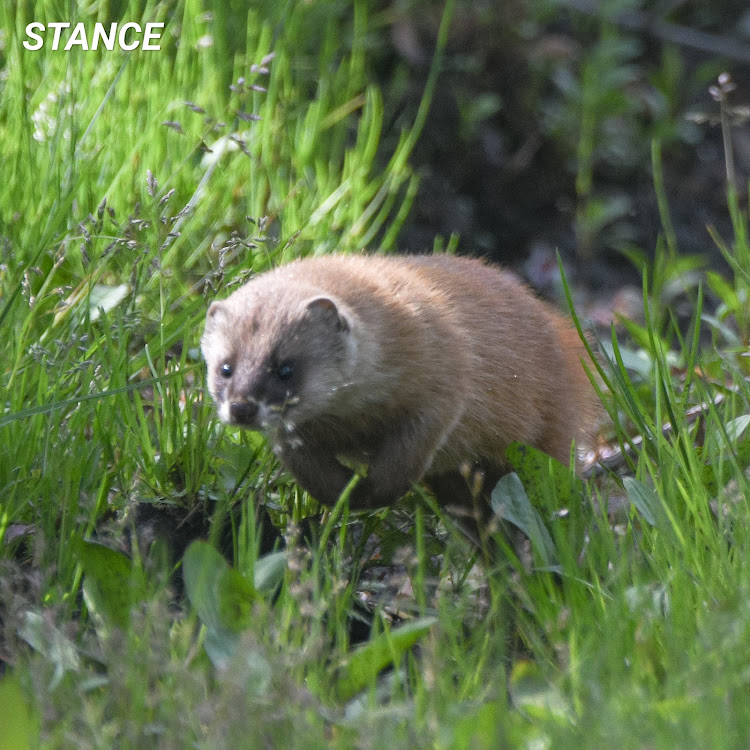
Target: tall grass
125,210
111,204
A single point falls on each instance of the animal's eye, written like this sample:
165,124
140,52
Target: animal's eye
226,370
284,371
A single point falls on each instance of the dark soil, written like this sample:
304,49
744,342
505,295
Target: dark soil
506,181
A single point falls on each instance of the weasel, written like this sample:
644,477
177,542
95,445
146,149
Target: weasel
416,366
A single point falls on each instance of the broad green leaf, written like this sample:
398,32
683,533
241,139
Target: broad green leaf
645,500
105,298
717,473
269,572
202,567
533,693
111,585
736,427
651,600
236,595
637,361
220,595
362,665
723,289
541,475
511,503
18,729
223,597
477,727
50,642
217,597
221,646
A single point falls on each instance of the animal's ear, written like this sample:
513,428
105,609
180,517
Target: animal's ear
216,313
326,309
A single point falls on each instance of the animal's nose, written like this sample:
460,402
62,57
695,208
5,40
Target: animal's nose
243,412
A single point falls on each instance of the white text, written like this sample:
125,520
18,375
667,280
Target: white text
126,37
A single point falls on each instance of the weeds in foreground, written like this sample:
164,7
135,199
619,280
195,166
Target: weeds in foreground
619,622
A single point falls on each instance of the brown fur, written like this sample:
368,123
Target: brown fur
415,366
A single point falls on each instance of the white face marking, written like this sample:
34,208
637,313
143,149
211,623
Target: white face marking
224,411
265,415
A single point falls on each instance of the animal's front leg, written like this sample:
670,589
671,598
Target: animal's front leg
401,460
398,462
316,471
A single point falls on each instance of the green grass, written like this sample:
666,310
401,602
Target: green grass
116,232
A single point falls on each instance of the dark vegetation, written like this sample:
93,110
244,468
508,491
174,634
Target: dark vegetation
613,610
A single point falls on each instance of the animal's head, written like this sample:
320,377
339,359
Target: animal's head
276,356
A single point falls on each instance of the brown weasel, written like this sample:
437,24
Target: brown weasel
415,366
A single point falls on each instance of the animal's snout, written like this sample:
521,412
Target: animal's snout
243,412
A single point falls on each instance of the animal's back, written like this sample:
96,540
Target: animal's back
463,324
453,360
